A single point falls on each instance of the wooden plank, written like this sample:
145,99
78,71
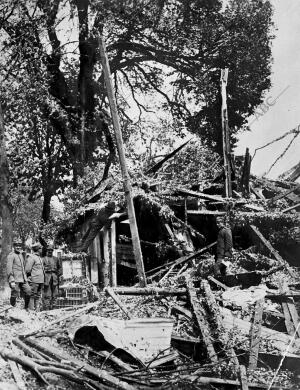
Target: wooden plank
164,359
201,320
126,264
255,334
280,196
216,282
270,248
201,195
114,296
125,174
113,263
291,208
167,273
243,378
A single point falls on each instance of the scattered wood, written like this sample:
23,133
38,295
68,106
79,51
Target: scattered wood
182,260
256,193
27,350
255,334
5,309
280,196
163,360
201,320
114,296
102,375
206,212
178,309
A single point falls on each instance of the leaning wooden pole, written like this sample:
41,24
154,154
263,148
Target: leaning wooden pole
225,133
126,180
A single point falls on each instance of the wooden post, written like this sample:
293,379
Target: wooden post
106,257
113,253
126,180
225,133
245,177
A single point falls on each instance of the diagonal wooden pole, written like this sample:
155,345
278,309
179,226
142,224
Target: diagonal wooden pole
126,180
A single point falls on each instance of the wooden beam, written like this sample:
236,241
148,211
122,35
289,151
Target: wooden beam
126,179
201,320
291,208
218,283
113,238
206,212
270,248
201,195
280,196
114,296
255,334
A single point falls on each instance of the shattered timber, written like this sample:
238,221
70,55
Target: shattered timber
186,328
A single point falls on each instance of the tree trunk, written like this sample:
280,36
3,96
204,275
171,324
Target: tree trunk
46,206
5,209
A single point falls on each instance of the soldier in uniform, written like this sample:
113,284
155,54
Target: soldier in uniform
53,272
16,274
224,246
35,272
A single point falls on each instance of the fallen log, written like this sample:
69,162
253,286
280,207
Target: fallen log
17,375
28,351
59,356
149,291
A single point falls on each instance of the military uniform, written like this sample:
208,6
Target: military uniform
17,278
224,249
35,272
53,271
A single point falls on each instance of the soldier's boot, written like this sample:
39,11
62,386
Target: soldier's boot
13,301
27,300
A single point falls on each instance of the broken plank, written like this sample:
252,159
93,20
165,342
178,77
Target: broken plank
167,273
114,296
187,313
218,283
164,359
201,320
280,196
270,248
243,378
184,191
255,334
149,291
291,208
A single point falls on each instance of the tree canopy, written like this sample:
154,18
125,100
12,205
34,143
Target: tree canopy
168,48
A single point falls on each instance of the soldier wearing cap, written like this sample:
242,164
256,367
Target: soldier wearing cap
224,245
35,272
16,274
53,272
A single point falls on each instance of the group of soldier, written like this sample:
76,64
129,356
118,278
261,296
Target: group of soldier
34,276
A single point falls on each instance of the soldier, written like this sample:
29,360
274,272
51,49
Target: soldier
53,272
224,246
16,274
36,275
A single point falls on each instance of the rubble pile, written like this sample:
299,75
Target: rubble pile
187,329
